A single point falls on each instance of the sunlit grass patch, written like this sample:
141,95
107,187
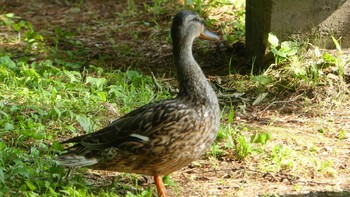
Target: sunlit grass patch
41,103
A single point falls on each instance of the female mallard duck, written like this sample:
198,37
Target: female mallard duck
163,136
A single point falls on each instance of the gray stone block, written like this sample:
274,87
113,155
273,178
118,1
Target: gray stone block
313,20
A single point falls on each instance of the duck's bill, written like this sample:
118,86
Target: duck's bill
207,35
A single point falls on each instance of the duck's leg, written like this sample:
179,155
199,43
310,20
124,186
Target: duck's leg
160,186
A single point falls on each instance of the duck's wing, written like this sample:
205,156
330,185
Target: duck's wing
134,131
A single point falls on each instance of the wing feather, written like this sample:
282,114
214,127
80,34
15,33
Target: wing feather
121,133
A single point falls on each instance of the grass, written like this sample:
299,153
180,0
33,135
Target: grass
59,82
41,103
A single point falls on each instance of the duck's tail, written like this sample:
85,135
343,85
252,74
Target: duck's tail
72,159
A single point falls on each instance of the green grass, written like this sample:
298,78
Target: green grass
44,100
41,102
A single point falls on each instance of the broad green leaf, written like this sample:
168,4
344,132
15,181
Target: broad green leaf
273,40
57,146
132,75
57,111
7,62
73,75
22,171
278,53
30,185
328,58
2,145
289,48
9,127
261,138
10,15
262,79
96,82
86,123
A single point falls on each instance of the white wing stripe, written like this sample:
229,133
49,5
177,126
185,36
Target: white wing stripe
141,137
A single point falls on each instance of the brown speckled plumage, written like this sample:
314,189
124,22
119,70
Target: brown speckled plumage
163,136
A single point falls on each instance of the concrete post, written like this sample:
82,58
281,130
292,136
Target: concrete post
315,20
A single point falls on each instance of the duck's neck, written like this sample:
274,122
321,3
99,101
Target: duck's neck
192,81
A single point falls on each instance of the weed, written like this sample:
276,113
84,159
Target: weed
156,7
325,167
131,5
216,151
336,59
229,67
236,141
342,134
282,158
242,147
282,51
25,32
312,72
260,138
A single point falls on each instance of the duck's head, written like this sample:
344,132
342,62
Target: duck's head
187,26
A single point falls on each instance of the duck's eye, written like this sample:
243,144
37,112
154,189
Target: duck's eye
196,19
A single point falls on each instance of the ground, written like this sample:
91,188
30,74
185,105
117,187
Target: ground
126,37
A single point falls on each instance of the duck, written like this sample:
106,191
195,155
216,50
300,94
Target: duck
164,136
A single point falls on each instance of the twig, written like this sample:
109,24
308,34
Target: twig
276,102
154,79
